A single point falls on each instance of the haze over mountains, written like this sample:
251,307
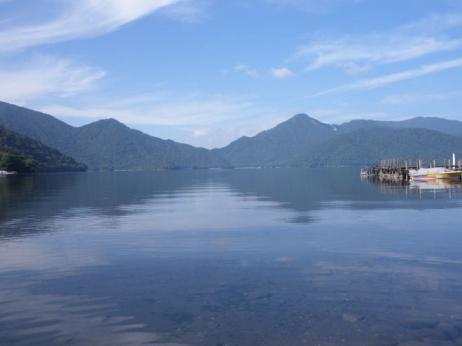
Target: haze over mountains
279,145
299,141
304,141
369,145
450,127
107,144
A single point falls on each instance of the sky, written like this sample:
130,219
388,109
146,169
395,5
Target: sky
205,72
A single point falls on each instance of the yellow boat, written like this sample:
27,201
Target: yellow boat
436,173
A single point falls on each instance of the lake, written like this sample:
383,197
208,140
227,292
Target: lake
231,257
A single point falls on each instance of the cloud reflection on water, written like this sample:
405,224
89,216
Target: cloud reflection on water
258,257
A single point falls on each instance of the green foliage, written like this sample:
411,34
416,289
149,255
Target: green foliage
16,163
369,145
301,140
450,127
22,154
278,145
307,142
107,144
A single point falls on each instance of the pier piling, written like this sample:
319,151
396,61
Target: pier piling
398,170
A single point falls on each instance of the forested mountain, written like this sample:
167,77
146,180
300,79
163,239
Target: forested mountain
369,145
280,144
301,140
107,144
22,154
39,126
305,141
450,127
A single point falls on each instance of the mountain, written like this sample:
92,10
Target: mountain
22,154
369,145
301,140
450,127
278,145
39,126
107,144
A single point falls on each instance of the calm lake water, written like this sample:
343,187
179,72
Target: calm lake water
244,257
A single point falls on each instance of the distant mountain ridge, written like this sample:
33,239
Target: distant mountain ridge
366,146
126,149
107,144
36,125
278,145
450,127
301,140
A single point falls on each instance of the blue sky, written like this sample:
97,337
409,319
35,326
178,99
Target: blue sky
205,72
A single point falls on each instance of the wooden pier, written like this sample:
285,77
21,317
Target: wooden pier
398,170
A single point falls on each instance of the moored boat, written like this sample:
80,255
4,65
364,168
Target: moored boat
435,173
6,172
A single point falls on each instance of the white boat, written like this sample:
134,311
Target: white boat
6,173
435,173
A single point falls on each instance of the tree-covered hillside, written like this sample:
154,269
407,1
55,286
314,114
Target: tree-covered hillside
279,145
301,140
107,144
369,145
22,154
450,127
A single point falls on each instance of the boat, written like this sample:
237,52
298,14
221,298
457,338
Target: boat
7,173
435,173
364,172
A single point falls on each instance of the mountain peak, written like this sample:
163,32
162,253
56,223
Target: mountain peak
110,121
280,144
303,117
300,116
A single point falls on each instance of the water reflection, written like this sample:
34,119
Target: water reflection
298,190
270,257
437,186
422,190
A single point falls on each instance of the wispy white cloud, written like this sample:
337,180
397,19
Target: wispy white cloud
282,73
404,75
46,76
79,18
434,24
360,53
188,11
413,98
372,83
355,69
249,71
163,109
201,132
199,119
